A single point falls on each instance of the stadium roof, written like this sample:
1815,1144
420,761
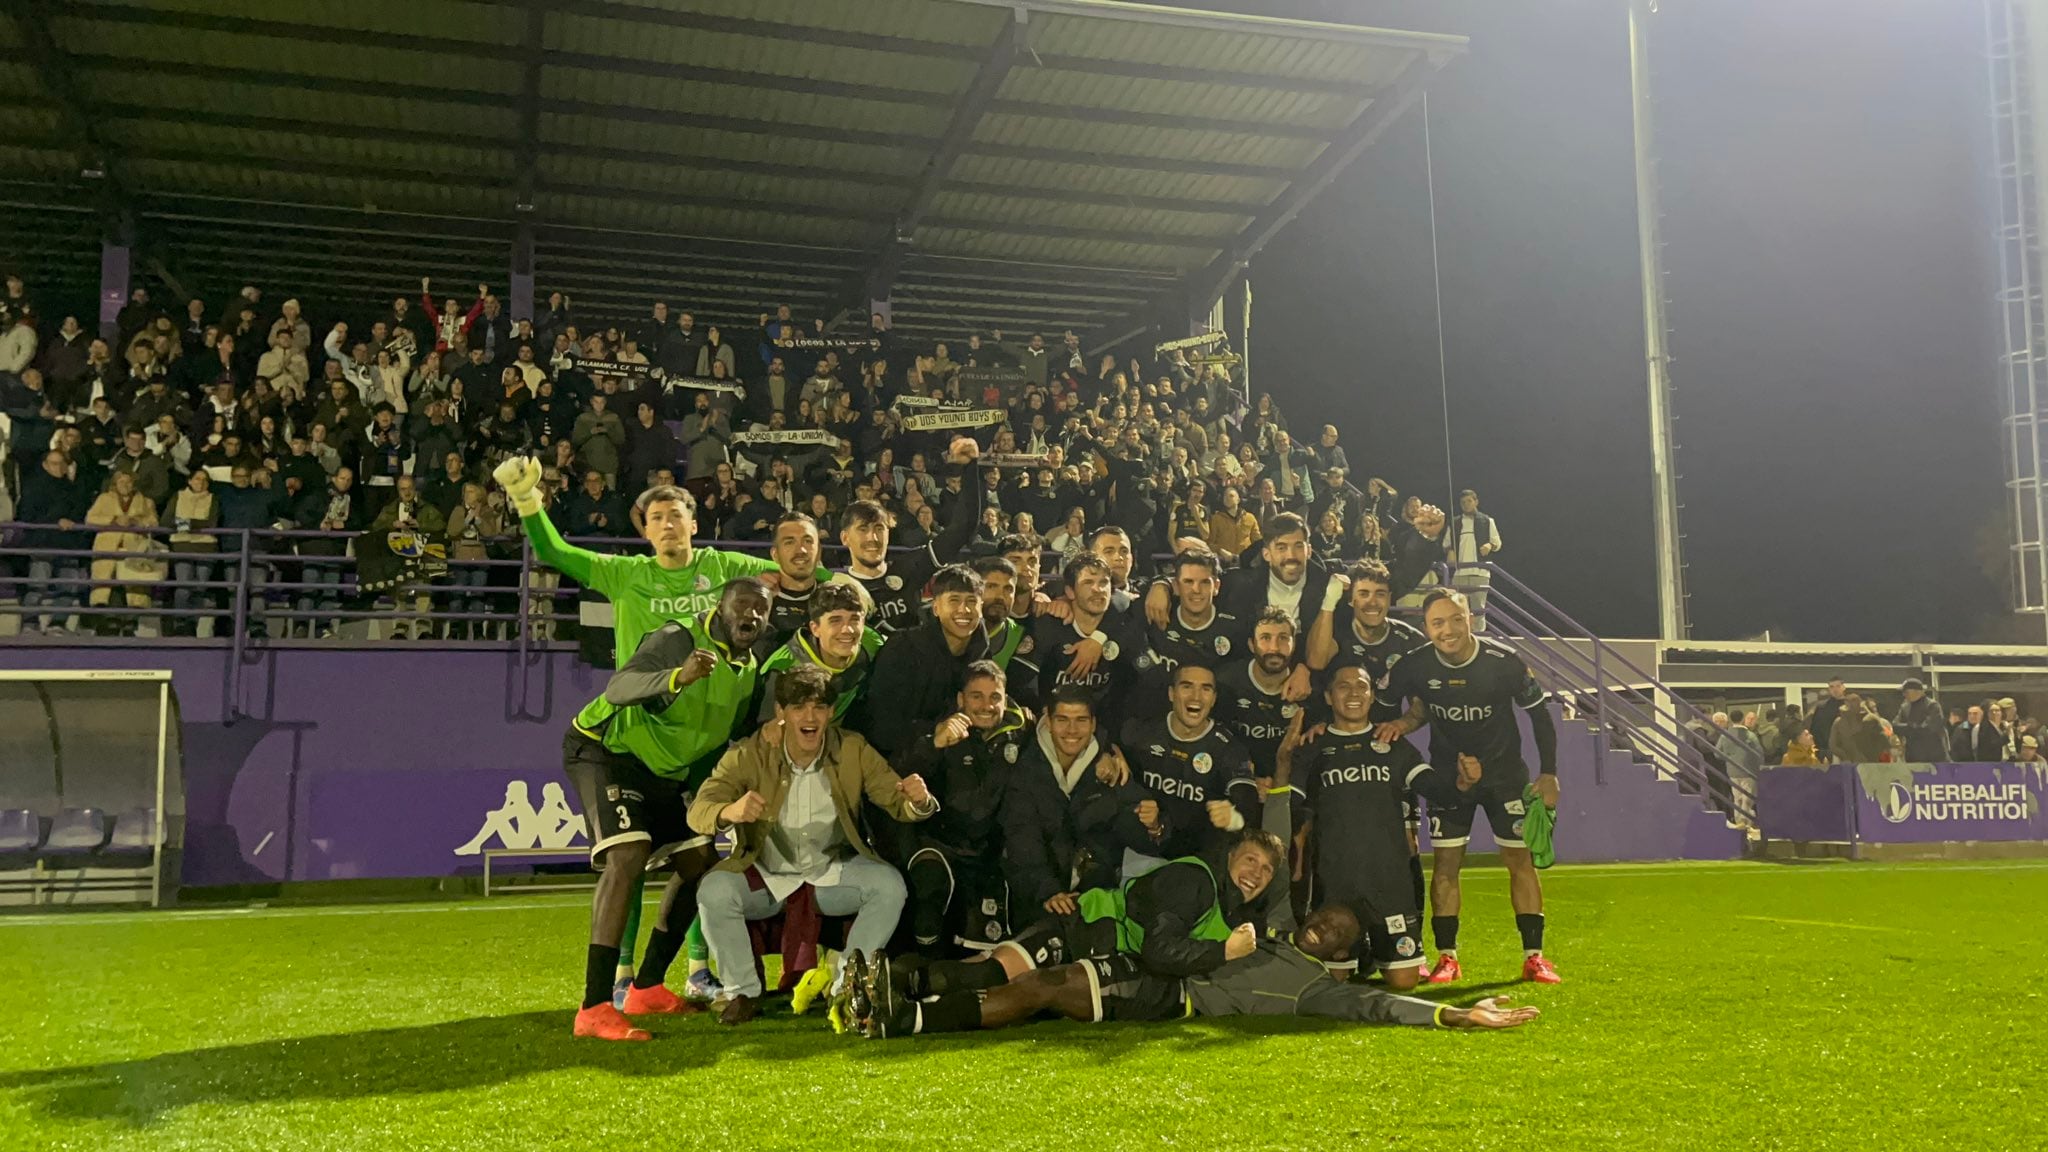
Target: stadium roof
1023,164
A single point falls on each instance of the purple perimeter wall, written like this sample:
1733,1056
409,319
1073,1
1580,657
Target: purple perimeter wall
378,763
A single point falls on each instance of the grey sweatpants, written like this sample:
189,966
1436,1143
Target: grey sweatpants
1281,980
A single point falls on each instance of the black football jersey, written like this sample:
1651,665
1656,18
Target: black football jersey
1184,776
1472,707
1401,639
1125,657
1257,718
1211,647
1356,790
787,616
898,603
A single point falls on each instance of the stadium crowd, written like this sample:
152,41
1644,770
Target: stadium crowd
1083,781
383,424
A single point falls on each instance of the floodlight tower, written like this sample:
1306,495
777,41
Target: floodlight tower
1671,613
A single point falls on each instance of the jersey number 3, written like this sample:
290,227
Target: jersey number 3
626,820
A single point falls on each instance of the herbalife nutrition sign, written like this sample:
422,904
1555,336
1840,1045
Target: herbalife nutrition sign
1922,803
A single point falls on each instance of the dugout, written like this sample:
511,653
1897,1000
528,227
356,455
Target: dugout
92,802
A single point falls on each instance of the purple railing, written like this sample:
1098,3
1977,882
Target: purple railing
1654,723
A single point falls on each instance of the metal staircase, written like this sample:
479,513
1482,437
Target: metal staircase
1635,719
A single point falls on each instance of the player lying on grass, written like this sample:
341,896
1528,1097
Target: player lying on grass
636,754
1226,971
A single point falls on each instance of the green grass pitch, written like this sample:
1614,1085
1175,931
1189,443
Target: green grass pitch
1712,1007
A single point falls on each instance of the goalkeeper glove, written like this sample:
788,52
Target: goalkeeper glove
520,477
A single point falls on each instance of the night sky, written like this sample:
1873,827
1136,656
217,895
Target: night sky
1827,223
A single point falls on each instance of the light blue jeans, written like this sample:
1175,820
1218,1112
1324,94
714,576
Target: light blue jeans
868,890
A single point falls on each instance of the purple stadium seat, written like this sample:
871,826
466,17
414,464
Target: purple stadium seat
133,831
20,830
77,830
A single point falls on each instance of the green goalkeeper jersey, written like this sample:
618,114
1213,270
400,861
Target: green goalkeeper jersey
671,727
644,595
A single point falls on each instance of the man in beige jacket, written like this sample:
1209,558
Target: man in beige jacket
791,794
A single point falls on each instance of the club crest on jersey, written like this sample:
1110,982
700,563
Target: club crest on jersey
1024,649
1404,947
1203,762
1396,925
702,583
1393,660
1288,710
1110,650
1382,747
992,931
1010,753
894,582
1223,645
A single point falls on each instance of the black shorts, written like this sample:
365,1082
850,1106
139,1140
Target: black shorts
1450,826
1122,990
624,803
977,896
1393,926
1054,941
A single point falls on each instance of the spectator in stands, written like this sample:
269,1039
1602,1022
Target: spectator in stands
18,344
649,446
152,476
1977,740
1858,736
1477,537
2030,750
596,509
1738,747
52,496
1919,725
194,511
1233,530
1826,712
1800,750
1417,551
341,512
473,524
118,509
600,439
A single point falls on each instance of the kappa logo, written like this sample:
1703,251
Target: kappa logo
1396,925
516,824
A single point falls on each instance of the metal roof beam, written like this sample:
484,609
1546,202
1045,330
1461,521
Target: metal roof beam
427,93
967,113
527,165
1349,145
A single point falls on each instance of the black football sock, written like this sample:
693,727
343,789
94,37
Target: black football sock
930,887
958,1012
1530,924
597,975
662,946
1445,930
1415,878
947,976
